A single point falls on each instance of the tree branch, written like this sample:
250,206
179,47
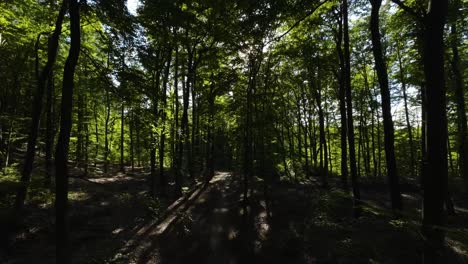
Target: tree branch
299,21
408,9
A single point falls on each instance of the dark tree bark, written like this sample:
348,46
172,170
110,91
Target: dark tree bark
322,136
178,145
106,132
132,143
185,148
342,102
389,137
37,109
122,134
462,144
61,154
435,179
162,176
50,129
96,133
349,113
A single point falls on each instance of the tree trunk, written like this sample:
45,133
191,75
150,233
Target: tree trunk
132,143
349,108
106,133
389,137
162,176
177,152
342,104
50,133
122,134
462,144
37,109
435,179
61,154
408,122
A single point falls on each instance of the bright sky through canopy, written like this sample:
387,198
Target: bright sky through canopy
132,6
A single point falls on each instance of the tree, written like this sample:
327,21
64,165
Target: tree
389,136
62,150
37,108
435,179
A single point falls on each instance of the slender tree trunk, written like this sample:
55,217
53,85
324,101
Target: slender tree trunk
96,133
106,133
423,134
132,143
462,144
177,154
342,104
389,137
162,176
86,139
61,155
435,179
49,144
349,108
80,130
153,171
184,122
323,143
122,136
408,122
37,109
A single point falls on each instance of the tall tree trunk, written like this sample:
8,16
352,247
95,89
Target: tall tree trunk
177,152
122,136
462,144
162,176
37,109
349,109
323,143
132,143
61,154
96,133
79,130
389,137
435,179
106,132
50,133
342,103
184,122
408,122
423,135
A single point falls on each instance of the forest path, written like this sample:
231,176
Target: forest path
198,229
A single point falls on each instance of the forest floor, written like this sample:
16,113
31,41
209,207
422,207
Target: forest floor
114,221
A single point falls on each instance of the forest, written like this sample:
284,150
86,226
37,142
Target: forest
233,131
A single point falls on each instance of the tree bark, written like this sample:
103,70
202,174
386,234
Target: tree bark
389,137
61,154
50,133
37,109
342,103
162,176
349,108
462,144
435,179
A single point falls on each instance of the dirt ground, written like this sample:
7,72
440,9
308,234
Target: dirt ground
113,220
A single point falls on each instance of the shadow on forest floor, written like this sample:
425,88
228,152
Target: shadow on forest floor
114,221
